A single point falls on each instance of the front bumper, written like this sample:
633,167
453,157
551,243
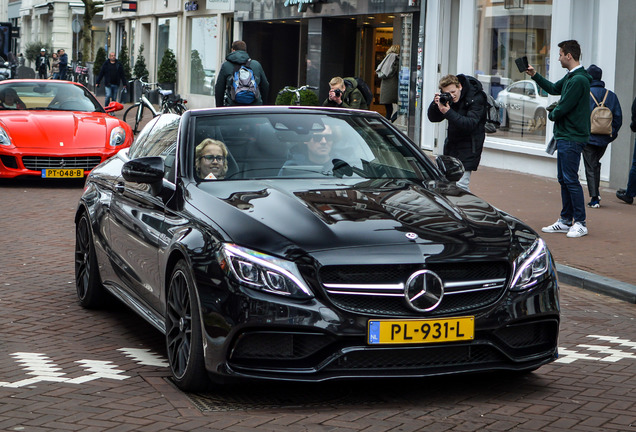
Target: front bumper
317,342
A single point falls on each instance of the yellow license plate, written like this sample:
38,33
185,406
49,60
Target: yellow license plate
62,173
420,331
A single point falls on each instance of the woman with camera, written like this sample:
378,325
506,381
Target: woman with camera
463,103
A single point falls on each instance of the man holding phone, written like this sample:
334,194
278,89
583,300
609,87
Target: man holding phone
571,119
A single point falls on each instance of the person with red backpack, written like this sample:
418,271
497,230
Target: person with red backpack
241,80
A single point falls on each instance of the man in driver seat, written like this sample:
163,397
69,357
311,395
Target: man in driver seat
314,152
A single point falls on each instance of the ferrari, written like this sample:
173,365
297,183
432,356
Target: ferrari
56,129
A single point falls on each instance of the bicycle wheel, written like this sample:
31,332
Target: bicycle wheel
137,116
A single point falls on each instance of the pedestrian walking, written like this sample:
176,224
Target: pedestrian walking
113,73
627,195
55,66
43,65
571,118
241,80
463,104
387,71
595,148
63,63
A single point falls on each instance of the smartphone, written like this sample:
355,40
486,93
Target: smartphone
522,63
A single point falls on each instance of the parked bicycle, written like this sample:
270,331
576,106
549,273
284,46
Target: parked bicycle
143,110
80,74
296,91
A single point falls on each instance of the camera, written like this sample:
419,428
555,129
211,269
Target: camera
337,92
445,98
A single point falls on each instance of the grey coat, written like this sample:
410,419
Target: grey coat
389,85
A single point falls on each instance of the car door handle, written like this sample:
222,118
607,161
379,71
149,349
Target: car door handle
119,187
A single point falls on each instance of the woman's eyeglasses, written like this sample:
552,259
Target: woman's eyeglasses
212,158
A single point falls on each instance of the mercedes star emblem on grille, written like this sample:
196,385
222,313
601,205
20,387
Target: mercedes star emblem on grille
424,291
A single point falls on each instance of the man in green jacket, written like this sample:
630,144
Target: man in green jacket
344,93
571,119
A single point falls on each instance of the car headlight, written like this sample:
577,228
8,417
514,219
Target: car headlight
531,266
4,138
264,272
117,136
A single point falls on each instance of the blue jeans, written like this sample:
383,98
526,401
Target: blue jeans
572,199
111,93
631,180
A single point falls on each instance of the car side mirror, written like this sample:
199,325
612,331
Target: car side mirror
147,170
451,167
114,106
532,93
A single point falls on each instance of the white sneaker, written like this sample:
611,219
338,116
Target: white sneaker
557,227
577,230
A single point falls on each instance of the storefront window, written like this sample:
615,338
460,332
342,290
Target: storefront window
203,54
508,30
166,37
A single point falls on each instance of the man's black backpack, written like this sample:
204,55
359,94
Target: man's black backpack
492,114
492,107
364,89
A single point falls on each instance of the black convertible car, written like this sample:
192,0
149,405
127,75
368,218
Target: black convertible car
296,243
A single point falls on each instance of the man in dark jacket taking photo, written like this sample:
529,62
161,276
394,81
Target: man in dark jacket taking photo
462,102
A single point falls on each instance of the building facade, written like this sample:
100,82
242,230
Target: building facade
309,41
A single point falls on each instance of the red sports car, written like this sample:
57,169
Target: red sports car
54,129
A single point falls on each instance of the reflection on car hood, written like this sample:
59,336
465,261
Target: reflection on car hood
274,215
63,130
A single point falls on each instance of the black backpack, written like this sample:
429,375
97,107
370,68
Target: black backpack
492,107
364,89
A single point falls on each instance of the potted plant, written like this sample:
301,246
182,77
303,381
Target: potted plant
100,59
287,96
140,71
167,74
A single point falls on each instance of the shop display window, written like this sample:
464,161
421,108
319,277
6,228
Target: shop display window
203,54
505,31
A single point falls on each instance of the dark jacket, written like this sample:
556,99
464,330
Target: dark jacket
352,97
571,116
466,120
43,64
597,88
632,126
112,72
223,79
64,60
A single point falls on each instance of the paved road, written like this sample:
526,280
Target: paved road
65,368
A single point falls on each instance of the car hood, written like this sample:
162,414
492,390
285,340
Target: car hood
66,129
275,216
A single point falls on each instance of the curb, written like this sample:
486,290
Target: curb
593,282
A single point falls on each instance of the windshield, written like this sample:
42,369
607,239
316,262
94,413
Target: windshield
55,96
302,145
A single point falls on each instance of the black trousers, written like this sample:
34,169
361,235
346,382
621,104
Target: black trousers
592,155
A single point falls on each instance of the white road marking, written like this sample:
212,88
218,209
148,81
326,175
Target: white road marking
144,357
612,355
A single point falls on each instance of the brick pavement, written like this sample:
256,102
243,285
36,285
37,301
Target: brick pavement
608,250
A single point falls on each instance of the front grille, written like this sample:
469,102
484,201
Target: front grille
526,338
37,163
379,289
416,358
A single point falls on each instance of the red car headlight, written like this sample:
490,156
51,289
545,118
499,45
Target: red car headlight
117,136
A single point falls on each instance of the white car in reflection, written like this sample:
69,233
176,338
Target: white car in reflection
524,106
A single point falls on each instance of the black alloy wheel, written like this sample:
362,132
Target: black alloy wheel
90,291
183,332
